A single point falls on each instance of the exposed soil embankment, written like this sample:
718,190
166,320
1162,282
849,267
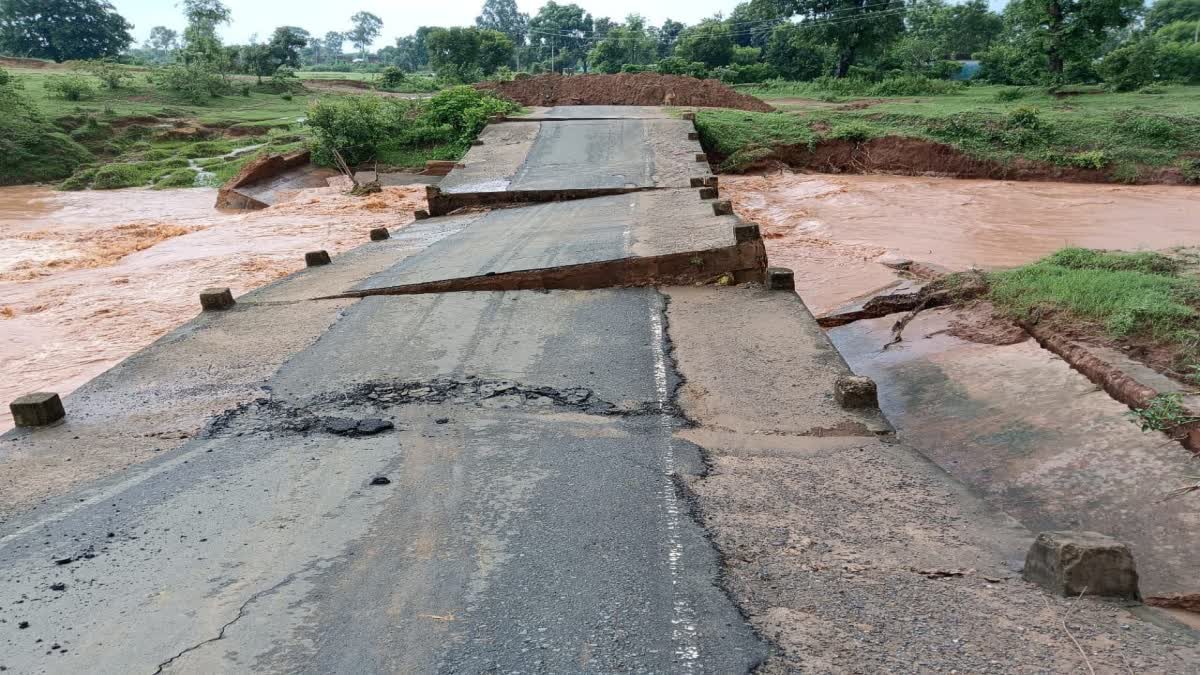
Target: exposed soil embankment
918,157
624,89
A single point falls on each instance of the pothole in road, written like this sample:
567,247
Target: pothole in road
272,415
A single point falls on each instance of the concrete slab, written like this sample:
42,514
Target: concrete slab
574,158
272,190
560,234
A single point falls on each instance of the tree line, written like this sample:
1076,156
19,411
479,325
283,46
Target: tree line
1122,42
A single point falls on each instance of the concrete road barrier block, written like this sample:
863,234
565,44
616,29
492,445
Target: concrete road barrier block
855,391
37,409
216,299
380,233
317,258
697,181
689,116
693,135
477,142
701,157
708,193
420,214
495,119
780,279
1072,563
746,232
723,208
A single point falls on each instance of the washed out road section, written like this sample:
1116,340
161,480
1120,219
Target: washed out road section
530,521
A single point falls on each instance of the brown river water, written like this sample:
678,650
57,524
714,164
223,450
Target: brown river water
832,229
88,278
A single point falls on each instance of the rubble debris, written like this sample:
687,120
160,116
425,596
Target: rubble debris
381,480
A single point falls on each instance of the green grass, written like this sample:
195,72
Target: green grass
1125,135
409,156
331,75
743,137
1139,295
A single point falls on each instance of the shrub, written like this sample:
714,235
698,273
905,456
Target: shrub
5,78
1025,117
391,78
1148,129
111,75
1130,66
196,83
465,110
70,87
354,126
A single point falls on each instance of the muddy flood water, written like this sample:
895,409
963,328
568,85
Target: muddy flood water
88,278
832,229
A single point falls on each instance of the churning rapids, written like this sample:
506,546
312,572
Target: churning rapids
87,278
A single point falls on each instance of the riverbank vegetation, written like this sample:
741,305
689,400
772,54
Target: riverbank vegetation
1149,136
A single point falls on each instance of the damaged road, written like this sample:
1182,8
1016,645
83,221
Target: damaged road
530,520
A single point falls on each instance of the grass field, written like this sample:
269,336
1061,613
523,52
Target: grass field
1126,135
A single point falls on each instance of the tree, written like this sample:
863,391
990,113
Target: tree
668,33
333,45
627,44
561,33
62,29
708,42
285,45
751,23
1069,30
1179,31
1163,12
503,16
366,28
853,28
314,51
792,52
163,39
200,36
467,54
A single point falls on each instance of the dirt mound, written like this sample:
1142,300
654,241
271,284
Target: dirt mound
18,62
623,89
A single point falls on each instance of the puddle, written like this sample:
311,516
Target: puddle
88,278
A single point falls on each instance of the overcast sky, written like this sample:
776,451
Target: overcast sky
400,17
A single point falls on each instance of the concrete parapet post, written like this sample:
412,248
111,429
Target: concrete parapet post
477,142
708,193
697,182
317,258
1074,563
496,119
420,214
689,116
693,135
723,208
746,233
380,233
855,391
216,299
780,279
37,409
432,192
701,157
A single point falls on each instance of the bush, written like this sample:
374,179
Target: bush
5,78
196,83
675,65
745,74
70,87
391,78
1130,66
1153,130
465,110
1025,117
111,75
353,125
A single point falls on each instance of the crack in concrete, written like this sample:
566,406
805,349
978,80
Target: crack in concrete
221,633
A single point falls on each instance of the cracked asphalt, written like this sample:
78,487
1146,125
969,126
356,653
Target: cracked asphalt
530,522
